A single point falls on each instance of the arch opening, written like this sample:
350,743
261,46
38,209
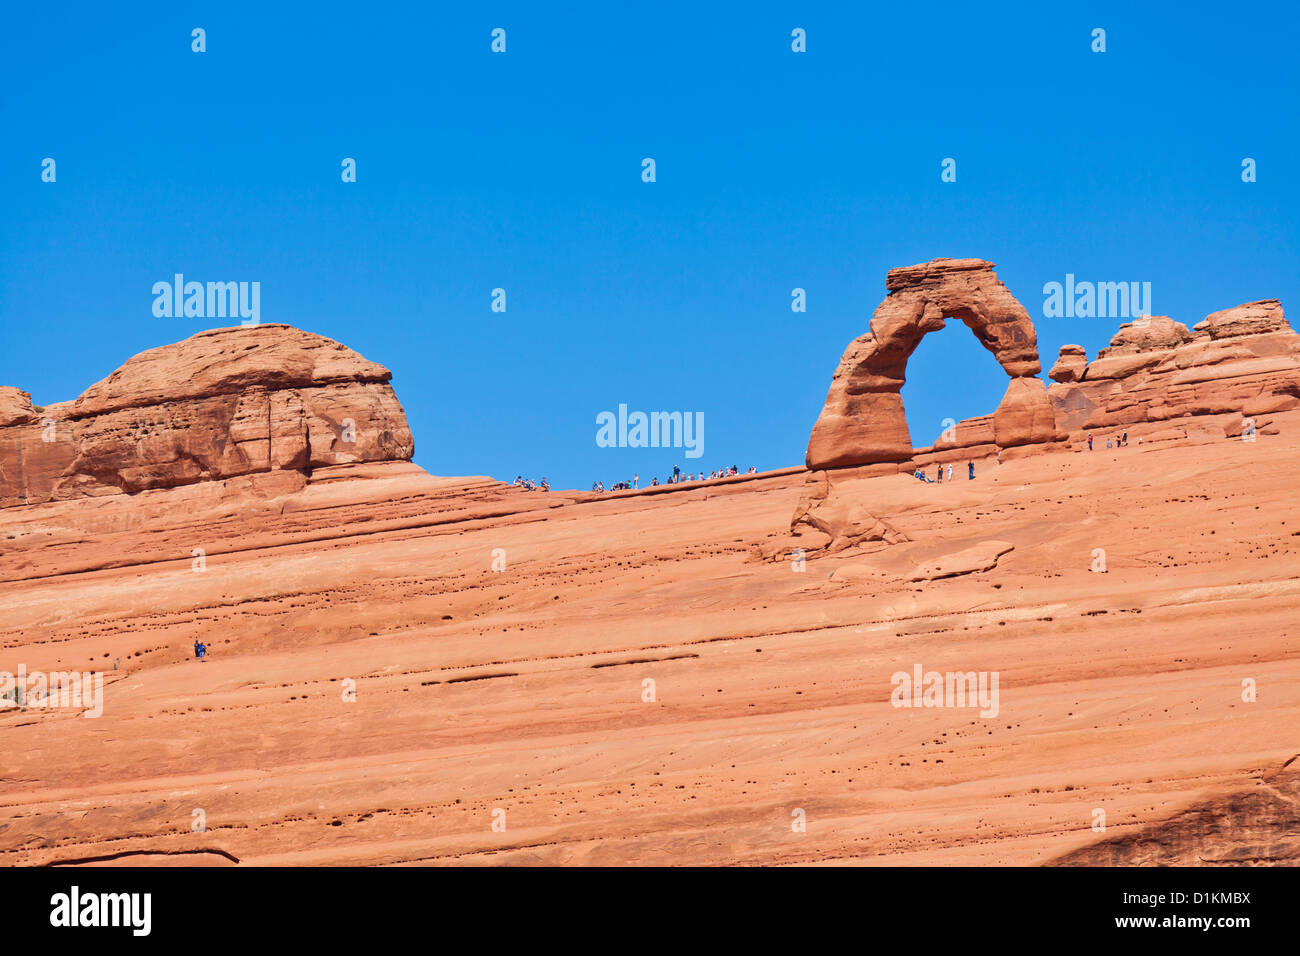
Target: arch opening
863,421
951,382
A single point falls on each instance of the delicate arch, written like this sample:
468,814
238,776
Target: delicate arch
863,422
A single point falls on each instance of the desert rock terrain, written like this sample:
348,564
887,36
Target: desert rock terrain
412,669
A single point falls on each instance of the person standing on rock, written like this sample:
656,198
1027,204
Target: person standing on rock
200,650
950,471
940,475
1089,443
971,475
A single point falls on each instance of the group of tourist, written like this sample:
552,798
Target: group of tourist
618,485
1119,441
676,478
920,474
631,484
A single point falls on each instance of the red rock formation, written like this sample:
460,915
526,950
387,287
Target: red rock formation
862,421
15,406
1244,361
1025,416
827,520
1070,364
222,403
1252,318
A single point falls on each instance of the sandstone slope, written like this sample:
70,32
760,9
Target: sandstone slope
524,689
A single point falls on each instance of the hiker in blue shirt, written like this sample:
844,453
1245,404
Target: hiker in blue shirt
971,466
200,650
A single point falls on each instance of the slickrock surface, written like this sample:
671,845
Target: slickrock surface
222,403
978,557
522,689
862,421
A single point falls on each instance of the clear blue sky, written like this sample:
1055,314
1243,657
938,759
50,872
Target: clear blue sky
475,170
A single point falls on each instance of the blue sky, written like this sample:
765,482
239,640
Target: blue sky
522,170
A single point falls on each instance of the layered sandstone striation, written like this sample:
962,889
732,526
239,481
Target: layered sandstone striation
1243,362
220,404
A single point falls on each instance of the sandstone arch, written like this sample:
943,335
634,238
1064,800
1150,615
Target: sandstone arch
863,422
